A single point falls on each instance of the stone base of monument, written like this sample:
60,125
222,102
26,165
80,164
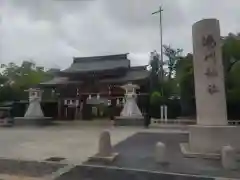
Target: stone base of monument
108,159
207,141
32,121
129,121
187,152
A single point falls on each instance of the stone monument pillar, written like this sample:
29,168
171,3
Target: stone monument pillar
211,132
208,73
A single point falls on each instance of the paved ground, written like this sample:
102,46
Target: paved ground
75,143
137,152
102,173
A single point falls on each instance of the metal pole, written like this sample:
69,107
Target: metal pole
161,35
161,74
161,42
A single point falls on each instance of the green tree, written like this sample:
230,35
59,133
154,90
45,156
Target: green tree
185,81
156,98
233,76
233,83
16,79
231,55
154,71
173,55
181,73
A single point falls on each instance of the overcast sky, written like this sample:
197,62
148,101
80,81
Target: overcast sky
51,32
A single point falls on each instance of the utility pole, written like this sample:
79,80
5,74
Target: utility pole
161,41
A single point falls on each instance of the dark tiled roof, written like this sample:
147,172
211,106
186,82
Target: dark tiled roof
134,74
98,63
59,81
56,80
53,70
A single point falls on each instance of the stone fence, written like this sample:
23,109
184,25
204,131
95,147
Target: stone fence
185,121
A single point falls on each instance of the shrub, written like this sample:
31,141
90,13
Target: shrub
156,99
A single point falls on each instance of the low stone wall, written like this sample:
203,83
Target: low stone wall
128,121
22,121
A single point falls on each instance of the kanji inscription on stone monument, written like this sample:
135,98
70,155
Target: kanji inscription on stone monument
210,55
209,44
212,88
211,72
208,41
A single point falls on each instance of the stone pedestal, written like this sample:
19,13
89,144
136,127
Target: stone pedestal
160,153
229,158
105,150
104,145
211,139
211,132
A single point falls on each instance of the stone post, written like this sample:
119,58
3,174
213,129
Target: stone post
208,74
105,147
160,153
229,158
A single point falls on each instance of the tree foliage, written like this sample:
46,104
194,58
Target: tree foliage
154,71
166,85
14,79
155,98
231,53
185,80
178,79
173,56
231,63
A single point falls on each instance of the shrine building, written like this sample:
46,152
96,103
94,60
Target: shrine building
90,85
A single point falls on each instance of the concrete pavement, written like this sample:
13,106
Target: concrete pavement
75,143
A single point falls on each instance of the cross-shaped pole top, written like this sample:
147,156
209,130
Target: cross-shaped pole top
159,11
